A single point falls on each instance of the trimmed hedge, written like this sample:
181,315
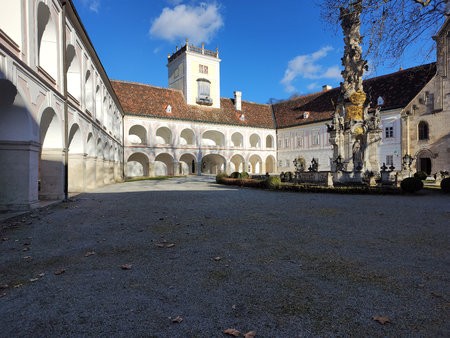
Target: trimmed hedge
272,182
411,184
220,178
445,185
421,175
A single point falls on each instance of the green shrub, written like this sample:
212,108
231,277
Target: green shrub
421,175
244,175
272,182
411,184
235,174
445,185
220,177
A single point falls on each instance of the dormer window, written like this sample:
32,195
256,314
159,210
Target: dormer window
204,97
306,114
169,109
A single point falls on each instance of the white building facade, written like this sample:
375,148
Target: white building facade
61,122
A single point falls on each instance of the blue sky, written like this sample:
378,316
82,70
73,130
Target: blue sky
269,48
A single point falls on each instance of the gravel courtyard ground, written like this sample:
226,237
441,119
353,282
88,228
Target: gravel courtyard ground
189,258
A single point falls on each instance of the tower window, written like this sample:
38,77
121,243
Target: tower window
203,69
203,97
423,130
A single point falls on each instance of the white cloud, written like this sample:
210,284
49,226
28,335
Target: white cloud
93,5
196,23
307,67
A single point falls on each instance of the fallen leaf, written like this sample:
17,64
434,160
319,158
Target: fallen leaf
178,319
2,294
381,319
59,272
26,248
41,275
126,267
18,285
89,253
27,257
250,334
164,244
34,279
232,332
218,258
160,245
170,245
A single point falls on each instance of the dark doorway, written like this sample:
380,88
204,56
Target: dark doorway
425,165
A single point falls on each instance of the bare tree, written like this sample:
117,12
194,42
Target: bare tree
390,26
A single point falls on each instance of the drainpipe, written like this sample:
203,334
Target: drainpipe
66,112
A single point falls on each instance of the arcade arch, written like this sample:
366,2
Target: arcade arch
213,164
270,164
237,163
137,165
163,136
73,73
237,140
213,138
47,41
255,164
137,135
188,165
269,141
255,141
163,165
187,137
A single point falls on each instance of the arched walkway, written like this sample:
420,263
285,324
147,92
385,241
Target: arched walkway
213,164
137,165
237,163
237,140
255,164
255,141
90,162
163,165
270,164
188,164
187,137
51,164
47,41
213,138
76,166
137,135
19,150
269,141
163,136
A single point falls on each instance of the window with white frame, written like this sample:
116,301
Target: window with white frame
203,69
280,163
280,143
286,142
299,141
315,138
389,160
288,163
389,132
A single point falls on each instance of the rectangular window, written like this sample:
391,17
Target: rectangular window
389,132
280,163
203,69
299,141
389,160
315,139
286,143
280,144
288,163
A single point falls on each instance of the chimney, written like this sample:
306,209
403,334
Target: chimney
238,100
326,88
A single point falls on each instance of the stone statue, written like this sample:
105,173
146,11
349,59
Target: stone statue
357,155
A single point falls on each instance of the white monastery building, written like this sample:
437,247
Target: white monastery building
65,127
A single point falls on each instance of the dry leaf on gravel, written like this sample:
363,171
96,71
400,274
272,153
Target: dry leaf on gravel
89,253
126,267
34,279
165,245
59,272
381,319
218,258
232,332
177,319
250,334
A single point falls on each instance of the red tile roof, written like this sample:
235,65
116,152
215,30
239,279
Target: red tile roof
396,89
145,100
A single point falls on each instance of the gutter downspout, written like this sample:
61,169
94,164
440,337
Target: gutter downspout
66,109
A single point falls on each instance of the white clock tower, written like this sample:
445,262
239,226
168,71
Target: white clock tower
196,72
